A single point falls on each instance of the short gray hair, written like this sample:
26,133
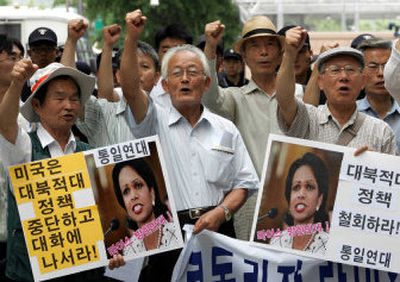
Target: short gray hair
185,47
148,50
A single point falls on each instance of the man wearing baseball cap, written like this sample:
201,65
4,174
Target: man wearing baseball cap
42,49
233,70
58,93
42,46
252,108
338,121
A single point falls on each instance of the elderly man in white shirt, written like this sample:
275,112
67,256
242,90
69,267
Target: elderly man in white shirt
210,170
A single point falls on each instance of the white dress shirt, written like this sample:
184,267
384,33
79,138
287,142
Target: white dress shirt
205,161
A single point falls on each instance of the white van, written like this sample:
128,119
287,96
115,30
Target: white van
20,21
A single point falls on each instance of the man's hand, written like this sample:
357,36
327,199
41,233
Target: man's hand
328,46
213,33
76,29
294,40
211,220
135,23
111,34
22,71
116,261
360,150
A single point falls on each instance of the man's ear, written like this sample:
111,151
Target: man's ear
364,80
319,82
207,83
165,85
35,104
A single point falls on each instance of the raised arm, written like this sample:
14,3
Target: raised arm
213,33
285,80
130,80
105,81
9,106
214,98
76,29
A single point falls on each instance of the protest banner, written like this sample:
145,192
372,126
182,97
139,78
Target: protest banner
210,256
74,216
320,201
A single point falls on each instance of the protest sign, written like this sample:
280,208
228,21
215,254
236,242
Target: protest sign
79,210
210,256
318,200
59,217
134,199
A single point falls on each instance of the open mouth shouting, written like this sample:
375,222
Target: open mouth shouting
185,90
344,89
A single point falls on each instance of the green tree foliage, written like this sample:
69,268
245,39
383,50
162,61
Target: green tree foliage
193,14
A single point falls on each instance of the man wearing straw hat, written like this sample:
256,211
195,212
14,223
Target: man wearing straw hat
252,108
58,93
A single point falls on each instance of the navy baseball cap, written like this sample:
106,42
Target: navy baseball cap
42,34
231,54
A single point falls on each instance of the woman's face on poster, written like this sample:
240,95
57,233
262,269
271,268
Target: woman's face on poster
304,196
138,197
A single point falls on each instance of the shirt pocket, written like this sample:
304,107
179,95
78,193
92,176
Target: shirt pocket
218,167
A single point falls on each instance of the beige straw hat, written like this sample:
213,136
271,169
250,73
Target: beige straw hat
257,26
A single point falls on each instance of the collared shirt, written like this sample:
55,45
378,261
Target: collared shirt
21,151
205,161
392,116
318,124
251,109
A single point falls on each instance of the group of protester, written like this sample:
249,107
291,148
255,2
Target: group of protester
213,137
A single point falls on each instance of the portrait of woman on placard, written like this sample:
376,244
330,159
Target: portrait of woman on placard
306,192
137,192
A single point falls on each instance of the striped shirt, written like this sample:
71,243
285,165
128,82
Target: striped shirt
105,123
318,124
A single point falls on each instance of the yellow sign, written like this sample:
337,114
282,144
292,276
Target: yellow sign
60,219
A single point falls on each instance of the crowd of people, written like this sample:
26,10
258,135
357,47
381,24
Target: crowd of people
213,122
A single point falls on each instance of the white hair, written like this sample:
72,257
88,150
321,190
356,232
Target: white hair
185,47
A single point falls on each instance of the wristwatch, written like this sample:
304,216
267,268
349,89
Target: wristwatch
228,214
